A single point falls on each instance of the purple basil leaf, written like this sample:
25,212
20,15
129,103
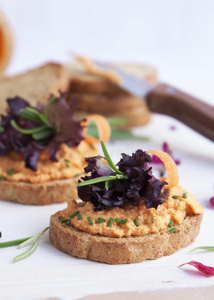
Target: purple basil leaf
141,185
61,115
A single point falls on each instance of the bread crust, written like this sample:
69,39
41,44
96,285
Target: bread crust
122,250
34,85
81,81
56,191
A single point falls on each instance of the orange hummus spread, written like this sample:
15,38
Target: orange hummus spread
150,220
70,164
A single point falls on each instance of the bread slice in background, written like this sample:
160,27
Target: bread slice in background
122,250
83,82
34,85
98,95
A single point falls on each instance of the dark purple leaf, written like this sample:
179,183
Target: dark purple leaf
141,185
61,115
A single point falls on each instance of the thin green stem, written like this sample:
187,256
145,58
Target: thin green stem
45,112
13,243
208,248
101,179
109,160
30,116
28,241
39,115
30,251
43,135
27,131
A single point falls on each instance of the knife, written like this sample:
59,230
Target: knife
167,100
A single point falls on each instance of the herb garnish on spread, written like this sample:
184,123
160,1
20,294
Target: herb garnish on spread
127,199
42,144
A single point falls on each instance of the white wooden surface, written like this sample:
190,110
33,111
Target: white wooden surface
50,273
175,36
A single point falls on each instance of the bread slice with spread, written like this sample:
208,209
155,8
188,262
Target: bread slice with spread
42,150
126,214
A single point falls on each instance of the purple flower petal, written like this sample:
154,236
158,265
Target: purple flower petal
205,270
212,201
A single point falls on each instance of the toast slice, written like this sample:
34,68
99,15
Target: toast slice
98,95
122,250
34,85
55,191
83,82
133,109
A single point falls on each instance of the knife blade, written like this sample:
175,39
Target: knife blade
168,100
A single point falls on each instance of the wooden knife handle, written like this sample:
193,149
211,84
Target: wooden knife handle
165,99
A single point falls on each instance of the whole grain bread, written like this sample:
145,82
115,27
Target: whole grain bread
133,109
55,191
98,95
122,250
34,85
82,81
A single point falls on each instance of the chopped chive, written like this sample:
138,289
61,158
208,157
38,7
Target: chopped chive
10,171
67,160
121,221
68,221
83,204
175,197
184,195
136,222
170,224
110,222
1,177
74,214
90,220
67,165
79,216
64,220
100,220
173,229
153,220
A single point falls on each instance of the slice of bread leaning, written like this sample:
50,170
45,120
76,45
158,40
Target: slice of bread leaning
34,85
122,250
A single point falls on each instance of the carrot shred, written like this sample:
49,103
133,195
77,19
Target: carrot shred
103,127
172,177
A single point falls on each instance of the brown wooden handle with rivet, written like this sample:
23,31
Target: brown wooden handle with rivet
167,100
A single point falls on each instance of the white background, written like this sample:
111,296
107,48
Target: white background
178,38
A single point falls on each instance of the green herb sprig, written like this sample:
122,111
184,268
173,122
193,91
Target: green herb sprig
24,242
208,248
119,175
45,130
